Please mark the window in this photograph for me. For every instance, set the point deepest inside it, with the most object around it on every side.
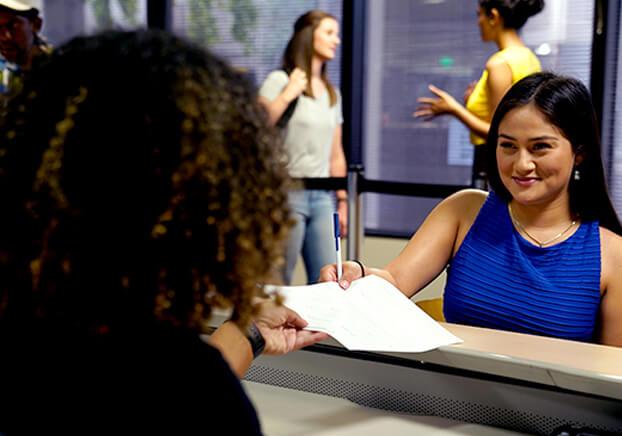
(411, 44)
(64, 19)
(250, 34)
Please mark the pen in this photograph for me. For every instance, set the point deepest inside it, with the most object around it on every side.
(337, 245)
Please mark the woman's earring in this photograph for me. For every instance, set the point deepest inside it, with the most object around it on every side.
(577, 175)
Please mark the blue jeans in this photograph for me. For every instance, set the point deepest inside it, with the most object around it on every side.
(312, 234)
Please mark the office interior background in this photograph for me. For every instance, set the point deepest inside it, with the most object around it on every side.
(391, 51)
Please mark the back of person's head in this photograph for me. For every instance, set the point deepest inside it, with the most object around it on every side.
(567, 104)
(515, 13)
(299, 50)
(139, 184)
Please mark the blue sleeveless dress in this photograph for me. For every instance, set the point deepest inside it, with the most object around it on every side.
(499, 280)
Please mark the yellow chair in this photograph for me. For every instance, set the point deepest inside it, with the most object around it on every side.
(433, 307)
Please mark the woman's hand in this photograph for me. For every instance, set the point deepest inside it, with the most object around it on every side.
(297, 85)
(281, 328)
(351, 272)
(431, 107)
(342, 210)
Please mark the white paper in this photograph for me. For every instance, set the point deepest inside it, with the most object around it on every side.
(371, 315)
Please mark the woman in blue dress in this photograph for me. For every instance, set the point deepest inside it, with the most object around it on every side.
(540, 254)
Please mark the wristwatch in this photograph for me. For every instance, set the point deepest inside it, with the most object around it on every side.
(254, 336)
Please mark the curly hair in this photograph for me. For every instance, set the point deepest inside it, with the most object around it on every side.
(140, 184)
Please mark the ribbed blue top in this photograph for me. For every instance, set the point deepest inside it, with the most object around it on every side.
(499, 280)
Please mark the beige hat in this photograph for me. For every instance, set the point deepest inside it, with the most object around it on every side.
(16, 6)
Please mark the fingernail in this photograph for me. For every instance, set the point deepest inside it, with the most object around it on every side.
(344, 284)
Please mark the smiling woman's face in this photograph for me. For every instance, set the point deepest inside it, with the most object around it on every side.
(534, 159)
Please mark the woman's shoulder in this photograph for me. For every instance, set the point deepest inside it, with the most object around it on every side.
(273, 84)
(466, 204)
(611, 259)
(462, 209)
(468, 198)
(509, 55)
(497, 59)
(611, 244)
(278, 76)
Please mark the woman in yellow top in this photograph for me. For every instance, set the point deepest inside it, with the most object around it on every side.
(499, 21)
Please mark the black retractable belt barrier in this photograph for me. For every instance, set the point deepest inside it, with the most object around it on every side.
(356, 184)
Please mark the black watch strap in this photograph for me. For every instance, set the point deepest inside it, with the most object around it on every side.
(254, 336)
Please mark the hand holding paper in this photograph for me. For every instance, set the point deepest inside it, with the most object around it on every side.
(372, 315)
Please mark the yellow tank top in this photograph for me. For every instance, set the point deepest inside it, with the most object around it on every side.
(522, 61)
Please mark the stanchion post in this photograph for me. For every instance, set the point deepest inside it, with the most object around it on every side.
(355, 226)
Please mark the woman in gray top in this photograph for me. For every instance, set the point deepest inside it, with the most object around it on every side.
(301, 99)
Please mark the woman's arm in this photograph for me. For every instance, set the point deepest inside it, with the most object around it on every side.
(295, 86)
(280, 327)
(428, 251)
(338, 168)
(499, 81)
(234, 347)
(611, 301)
(444, 103)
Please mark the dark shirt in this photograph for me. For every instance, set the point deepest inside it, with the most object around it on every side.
(161, 378)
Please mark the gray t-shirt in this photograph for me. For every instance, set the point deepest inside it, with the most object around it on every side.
(309, 132)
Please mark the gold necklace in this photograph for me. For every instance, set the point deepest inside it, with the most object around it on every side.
(520, 228)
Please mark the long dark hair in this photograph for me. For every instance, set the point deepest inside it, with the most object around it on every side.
(567, 104)
(515, 13)
(299, 51)
(142, 186)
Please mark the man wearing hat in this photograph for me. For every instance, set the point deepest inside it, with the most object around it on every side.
(20, 43)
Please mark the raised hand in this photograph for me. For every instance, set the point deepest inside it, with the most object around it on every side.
(430, 107)
(296, 86)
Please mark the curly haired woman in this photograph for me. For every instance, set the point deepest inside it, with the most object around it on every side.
(140, 190)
